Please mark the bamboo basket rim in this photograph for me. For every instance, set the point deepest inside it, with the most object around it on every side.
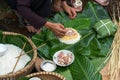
(46, 73)
(28, 66)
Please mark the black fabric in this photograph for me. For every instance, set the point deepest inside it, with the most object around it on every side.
(2, 27)
(12, 3)
(42, 7)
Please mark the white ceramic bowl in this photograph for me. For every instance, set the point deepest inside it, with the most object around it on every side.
(78, 3)
(34, 78)
(48, 66)
(72, 39)
(63, 58)
(3, 49)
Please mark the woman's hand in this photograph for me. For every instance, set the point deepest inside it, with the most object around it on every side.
(57, 28)
(71, 11)
(102, 2)
(32, 29)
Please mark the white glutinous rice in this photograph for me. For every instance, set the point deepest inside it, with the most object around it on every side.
(71, 37)
(47, 66)
(8, 61)
(3, 49)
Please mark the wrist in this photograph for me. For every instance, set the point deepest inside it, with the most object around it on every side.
(64, 4)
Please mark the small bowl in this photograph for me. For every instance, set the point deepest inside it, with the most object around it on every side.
(78, 4)
(103, 0)
(63, 58)
(35, 78)
(48, 66)
(3, 49)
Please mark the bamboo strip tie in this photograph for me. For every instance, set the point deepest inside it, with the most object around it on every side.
(19, 57)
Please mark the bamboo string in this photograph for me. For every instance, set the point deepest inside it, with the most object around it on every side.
(19, 57)
(31, 50)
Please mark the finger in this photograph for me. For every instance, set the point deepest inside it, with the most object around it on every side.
(63, 31)
(38, 31)
(59, 35)
(29, 29)
(61, 26)
(70, 15)
(33, 30)
(74, 14)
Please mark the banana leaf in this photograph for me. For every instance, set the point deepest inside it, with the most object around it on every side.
(18, 40)
(78, 71)
(86, 51)
(52, 45)
(95, 12)
(23, 78)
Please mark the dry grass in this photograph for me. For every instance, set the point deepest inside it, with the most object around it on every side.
(114, 61)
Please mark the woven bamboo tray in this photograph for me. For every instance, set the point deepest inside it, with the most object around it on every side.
(47, 76)
(28, 68)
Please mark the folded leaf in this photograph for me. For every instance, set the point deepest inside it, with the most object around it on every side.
(105, 28)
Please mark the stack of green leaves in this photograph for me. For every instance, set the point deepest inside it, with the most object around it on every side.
(90, 52)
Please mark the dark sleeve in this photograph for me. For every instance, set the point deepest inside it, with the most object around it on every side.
(63, 0)
(23, 7)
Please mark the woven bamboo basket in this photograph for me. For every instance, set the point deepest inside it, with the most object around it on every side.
(110, 72)
(28, 68)
(47, 76)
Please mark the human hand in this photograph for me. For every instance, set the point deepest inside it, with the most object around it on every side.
(32, 29)
(102, 2)
(57, 28)
(71, 11)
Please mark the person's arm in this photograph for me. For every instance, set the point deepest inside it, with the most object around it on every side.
(23, 7)
(68, 9)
